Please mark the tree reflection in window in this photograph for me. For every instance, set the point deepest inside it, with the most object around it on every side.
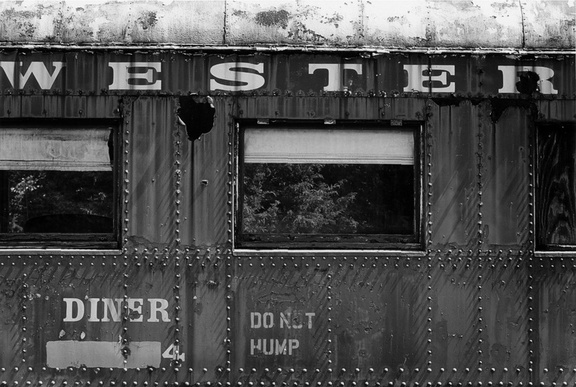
(60, 201)
(328, 199)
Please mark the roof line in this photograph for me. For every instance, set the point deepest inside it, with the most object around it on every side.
(372, 50)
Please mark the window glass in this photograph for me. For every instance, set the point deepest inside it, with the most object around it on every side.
(56, 184)
(556, 186)
(309, 187)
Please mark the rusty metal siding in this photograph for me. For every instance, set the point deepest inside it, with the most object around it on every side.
(506, 178)
(476, 304)
(57, 106)
(380, 317)
(555, 296)
(150, 172)
(453, 202)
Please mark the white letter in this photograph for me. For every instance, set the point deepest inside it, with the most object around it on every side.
(268, 320)
(158, 305)
(45, 80)
(416, 78)
(109, 307)
(420, 78)
(269, 350)
(255, 320)
(292, 345)
(231, 77)
(8, 68)
(70, 312)
(132, 308)
(255, 345)
(509, 79)
(447, 86)
(93, 309)
(511, 75)
(129, 75)
(295, 320)
(310, 315)
(335, 71)
(280, 347)
(285, 320)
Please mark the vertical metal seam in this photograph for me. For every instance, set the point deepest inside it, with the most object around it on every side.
(231, 262)
(124, 165)
(225, 22)
(126, 112)
(523, 24)
(480, 176)
(533, 291)
(176, 260)
(426, 195)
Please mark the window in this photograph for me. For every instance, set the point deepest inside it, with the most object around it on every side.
(556, 186)
(57, 185)
(328, 186)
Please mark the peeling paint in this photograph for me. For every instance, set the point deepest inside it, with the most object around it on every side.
(272, 18)
(529, 24)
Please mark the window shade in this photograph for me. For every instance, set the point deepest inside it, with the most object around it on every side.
(84, 149)
(328, 146)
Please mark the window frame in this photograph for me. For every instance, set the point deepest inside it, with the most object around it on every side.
(99, 241)
(408, 242)
(540, 243)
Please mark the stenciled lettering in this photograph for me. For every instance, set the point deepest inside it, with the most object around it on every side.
(110, 309)
(247, 76)
(135, 75)
(511, 77)
(280, 323)
(39, 70)
(433, 79)
(274, 346)
(237, 76)
(335, 73)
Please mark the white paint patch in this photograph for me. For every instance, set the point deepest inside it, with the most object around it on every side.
(92, 354)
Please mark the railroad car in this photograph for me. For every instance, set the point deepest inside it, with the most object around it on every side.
(293, 194)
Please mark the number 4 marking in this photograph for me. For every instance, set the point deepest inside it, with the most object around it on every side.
(173, 352)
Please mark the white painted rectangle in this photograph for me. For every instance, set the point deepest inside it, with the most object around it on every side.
(84, 149)
(329, 146)
(71, 353)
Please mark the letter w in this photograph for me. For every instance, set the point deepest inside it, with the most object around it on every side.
(38, 69)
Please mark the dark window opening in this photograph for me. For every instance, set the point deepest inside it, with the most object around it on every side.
(556, 186)
(57, 185)
(328, 188)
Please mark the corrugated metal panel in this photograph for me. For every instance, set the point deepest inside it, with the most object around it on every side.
(281, 318)
(379, 311)
(453, 145)
(506, 184)
(211, 185)
(152, 180)
(475, 305)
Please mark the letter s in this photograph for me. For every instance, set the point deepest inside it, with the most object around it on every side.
(234, 77)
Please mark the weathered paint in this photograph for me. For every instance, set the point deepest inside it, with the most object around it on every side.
(476, 304)
(398, 74)
(477, 24)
